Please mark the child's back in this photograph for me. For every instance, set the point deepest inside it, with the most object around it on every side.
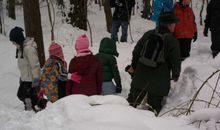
(107, 53)
(54, 74)
(88, 67)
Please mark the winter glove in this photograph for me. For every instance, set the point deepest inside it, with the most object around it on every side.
(118, 88)
(205, 31)
(41, 93)
(75, 77)
(195, 36)
(130, 70)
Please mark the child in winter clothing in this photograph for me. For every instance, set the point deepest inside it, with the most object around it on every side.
(107, 53)
(85, 70)
(212, 23)
(29, 66)
(54, 74)
(185, 29)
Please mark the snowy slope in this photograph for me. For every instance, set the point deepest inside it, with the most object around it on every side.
(77, 112)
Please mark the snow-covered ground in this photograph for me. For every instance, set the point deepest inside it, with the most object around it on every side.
(79, 112)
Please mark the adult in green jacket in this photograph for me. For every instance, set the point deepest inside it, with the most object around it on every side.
(107, 54)
(155, 82)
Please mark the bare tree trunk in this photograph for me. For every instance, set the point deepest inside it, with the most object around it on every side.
(108, 15)
(1, 10)
(2, 24)
(200, 14)
(11, 9)
(33, 28)
(50, 19)
(60, 3)
(78, 14)
(146, 9)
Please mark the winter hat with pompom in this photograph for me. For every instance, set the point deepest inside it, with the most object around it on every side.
(55, 50)
(82, 44)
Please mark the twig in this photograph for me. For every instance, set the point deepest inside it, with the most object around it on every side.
(129, 19)
(213, 92)
(195, 96)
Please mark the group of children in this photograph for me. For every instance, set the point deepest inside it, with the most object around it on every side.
(91, 74)
(87, 74)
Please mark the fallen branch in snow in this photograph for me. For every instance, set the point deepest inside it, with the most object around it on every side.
(213, 92)
(197, 93)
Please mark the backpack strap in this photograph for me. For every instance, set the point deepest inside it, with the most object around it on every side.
(152, 55)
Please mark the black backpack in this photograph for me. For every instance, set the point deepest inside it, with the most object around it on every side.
(152, 53)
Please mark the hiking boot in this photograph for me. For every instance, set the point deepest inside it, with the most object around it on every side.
(28, 104)
(214, 53)
(37, 109)
(42, 103)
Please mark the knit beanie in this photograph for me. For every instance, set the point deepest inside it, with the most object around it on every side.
(82, 44)
(55, 50)
(16, 35)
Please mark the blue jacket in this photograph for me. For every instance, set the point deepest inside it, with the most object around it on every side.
(159, 6)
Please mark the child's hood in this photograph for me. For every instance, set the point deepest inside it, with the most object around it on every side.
(108, 46)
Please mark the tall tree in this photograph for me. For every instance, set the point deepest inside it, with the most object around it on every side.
(60, 3)
(1, 10)
(33, 28)
(108, 15)
(78, 13)
(147, 9)
(11, 9)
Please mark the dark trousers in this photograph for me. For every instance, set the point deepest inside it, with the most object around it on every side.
(115, 28)
(136, 96)
(61, 89)
(185, 47)
(215, 37)
(26, 90)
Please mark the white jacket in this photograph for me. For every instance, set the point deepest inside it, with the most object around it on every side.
(29, 66)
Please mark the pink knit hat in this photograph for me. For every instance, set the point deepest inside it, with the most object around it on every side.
(82, 44)
(57, 51)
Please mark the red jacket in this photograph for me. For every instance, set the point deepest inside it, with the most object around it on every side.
(186, 27)
(89, 68)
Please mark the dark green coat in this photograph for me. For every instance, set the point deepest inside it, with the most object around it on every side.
(107, 53)
(157, 80)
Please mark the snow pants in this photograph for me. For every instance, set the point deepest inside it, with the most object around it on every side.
(136, 96)
(185, 47)
(215, 37)
(26, 90)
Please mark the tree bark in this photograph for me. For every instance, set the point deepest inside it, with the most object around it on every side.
(1, 10)
(33, 28)
(60, 3)
(11, 9)
(78, 14)
(50, 19)
(200, 14)
(108, 15)
(146, 9)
